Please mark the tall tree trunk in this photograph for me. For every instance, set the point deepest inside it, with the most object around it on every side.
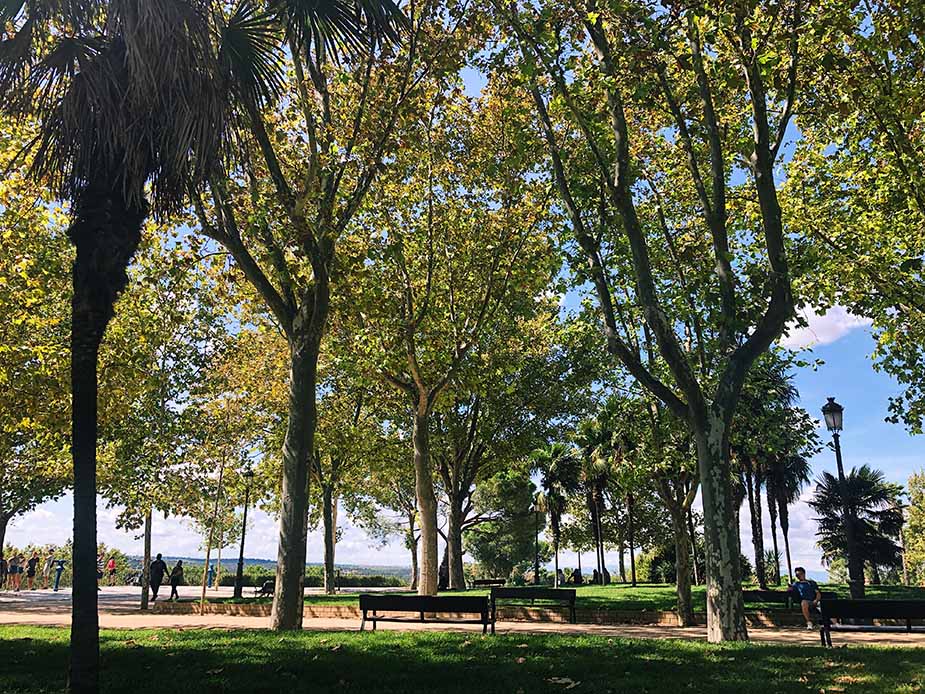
(427, 500)
(599, 504)
(682, 567)
(592, 508)
(784, 514)
(330, 535)
(106, 231)
(725, 609)
(754, 513)
(555, 553)
(692, 530)
(454, 544)
(621, 559)
(4, 521)
(300, 434)
(211, 539)
(632, 538)
(146, 562)
(772, 512)
(411, 542)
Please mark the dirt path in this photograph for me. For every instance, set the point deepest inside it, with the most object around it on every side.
(118, 611)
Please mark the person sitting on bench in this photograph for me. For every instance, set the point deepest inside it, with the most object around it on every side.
(808, 593)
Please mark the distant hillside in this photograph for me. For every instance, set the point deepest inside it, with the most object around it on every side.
(402, 572)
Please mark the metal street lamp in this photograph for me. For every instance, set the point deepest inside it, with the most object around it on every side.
(834, 420)
(536, 546)
(239, 578)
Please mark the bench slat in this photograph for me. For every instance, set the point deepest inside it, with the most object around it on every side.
(424, 603)
(566, 595)
(873, 609)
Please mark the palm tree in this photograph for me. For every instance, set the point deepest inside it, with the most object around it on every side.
(875, 510)
(787, 475)
(132, 94)
(594, 477)
(108, 85)
(560, 469)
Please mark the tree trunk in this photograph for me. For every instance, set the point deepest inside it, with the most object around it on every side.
(555, 553)
(427, 500)
(621, 560)
(297, 449)
(784, 514)
(106, 231)
(599, 504)
(754, 513)
(772, 512)
(692, 530)
(211, 539)
(725, 609)
(632, 538)
(592, 507)
(454, 545)
(146, 563)
(874, 575)
(4, 521)
(330, 536)
(682, 568)
(411, 542)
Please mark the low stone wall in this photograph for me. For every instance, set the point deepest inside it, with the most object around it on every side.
(506, 613)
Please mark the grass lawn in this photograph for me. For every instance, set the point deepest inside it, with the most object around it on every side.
(34, 659)
(618, 596)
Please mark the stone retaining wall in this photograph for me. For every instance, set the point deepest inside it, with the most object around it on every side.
(506, 613)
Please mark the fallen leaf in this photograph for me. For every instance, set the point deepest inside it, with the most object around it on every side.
(336, 648)
(216, 671)
(523, 645)
(521, 660)
(567, 681)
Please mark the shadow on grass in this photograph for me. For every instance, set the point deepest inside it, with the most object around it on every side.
(34, 659)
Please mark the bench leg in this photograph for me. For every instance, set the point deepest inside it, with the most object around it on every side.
(363, 622)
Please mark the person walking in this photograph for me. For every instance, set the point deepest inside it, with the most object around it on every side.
(211, 574)
(14, 572)
(32, 566)
(111, 570)
(176, 578)
(156, 574)
(59, 569)
(46, 569)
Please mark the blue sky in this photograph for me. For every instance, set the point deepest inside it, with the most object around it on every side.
(840, 340)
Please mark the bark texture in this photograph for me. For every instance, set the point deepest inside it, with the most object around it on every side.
(725, 609)
(106, 232)
(329, 520)
(297, 449)
(427, 502)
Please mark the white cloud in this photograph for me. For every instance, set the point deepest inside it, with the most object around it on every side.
(822, 329)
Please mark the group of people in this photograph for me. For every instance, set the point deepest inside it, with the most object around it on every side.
(157, 572)
(13, 570)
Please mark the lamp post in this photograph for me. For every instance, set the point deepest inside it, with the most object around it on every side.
(834, 419)
(239, 578)
(536, 545)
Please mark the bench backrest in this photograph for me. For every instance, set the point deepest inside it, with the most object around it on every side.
(268, 585)
(873, 609)
(489, 582)
(424, 603)
(781, 596)
(566, 595)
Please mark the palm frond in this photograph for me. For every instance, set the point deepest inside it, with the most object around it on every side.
(249, 54)
(336, 27)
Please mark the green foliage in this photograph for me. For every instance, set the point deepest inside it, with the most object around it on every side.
(914, 530)
(505, 547)
(876, 509)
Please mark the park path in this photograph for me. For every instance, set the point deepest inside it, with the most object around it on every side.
(118, 610)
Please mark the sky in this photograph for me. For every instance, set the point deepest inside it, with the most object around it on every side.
(840, 341)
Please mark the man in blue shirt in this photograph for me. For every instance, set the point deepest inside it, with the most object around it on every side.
(808, 593)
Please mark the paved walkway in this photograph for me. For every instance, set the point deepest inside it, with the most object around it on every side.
(118, 610)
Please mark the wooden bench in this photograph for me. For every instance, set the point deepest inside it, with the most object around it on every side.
(565, 596)
(490, 582)
(780, 597)
(898, 610)
(425, 604)
(266, 590)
